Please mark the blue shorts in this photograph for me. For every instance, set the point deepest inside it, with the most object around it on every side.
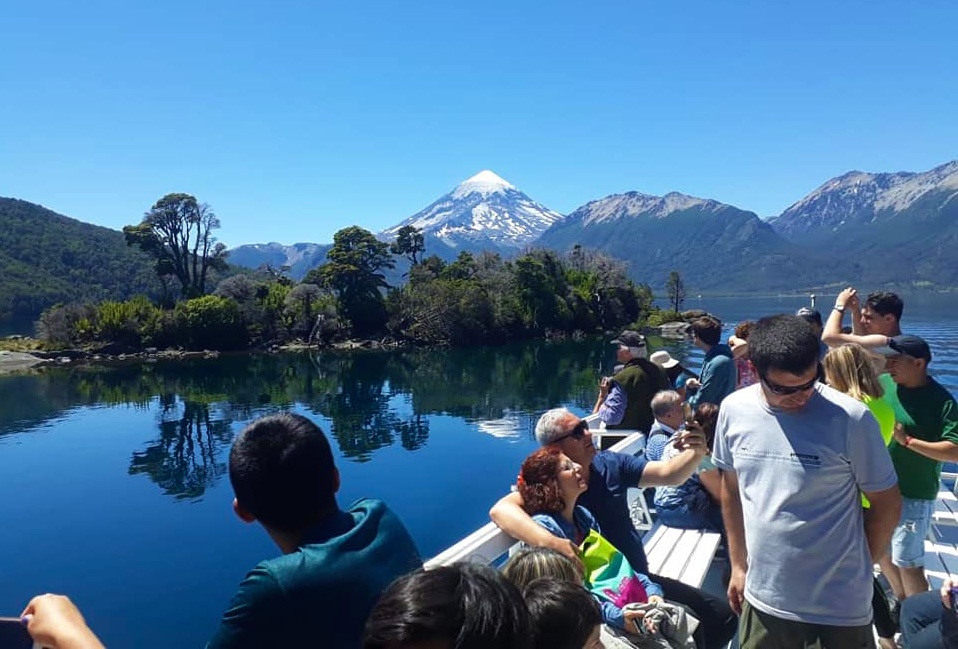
(908, 541)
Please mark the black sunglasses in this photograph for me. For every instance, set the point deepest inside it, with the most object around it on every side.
(577, 433)
(785, 390)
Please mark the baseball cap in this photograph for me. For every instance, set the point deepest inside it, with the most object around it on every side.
(908, 345)
(663, 359)
(629, 338)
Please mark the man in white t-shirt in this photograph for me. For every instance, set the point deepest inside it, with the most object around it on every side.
(795, 456)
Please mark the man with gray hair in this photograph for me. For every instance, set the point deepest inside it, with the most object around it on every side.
(667, 409)
(624, 398)
(610, 475)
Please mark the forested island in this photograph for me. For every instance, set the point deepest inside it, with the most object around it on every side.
(203, 304)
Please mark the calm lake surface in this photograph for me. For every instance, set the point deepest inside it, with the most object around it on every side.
(114, 480)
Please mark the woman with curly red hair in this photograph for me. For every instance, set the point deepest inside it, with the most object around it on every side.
(550, 483)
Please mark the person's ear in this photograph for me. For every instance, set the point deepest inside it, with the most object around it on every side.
(336, 482)
(241, 513)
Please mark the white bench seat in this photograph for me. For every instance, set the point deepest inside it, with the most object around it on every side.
(941, 560)
(683, 555)
(946, 508)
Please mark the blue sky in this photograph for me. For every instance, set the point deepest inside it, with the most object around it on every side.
(294, 119)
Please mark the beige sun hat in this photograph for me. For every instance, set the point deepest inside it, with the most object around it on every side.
(663, 359)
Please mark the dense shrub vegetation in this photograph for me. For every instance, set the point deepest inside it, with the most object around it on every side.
(473, 300)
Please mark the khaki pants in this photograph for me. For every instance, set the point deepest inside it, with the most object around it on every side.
(758, 630)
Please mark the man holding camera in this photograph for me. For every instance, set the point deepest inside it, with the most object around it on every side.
(625, 399)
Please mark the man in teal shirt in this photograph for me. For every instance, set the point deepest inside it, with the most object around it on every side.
(335, 564)
(718, 376)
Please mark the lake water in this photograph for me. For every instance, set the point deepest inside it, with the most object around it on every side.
(114, 480)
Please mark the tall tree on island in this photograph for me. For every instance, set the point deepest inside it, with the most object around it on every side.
(178, 233)
(409, 243)
(675, 289)
(353, 269)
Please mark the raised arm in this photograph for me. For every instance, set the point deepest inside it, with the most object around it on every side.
(832, 331)
(739, 346)
(680, 468)
(611, 402)
(512, 519)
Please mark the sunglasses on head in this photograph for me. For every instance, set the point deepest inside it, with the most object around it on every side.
(577, 433)
(784, 390)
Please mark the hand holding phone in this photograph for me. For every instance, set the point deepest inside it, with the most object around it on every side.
(14, 634)
(688, 414)
(953, 599)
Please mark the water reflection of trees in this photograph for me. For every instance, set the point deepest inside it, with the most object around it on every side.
(370, 399)
(187, 456)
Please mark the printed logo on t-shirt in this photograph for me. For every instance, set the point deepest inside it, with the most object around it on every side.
(807, 460)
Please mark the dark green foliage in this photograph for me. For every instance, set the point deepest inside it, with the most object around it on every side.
(476, 300)
(354, 271)
(211, 322)
(46, 258)
(409, 243)
(658, 318)
(177, 233)
(675, 290)
(131, 324)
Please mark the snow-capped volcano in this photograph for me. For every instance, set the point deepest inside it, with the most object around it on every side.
(485, 211)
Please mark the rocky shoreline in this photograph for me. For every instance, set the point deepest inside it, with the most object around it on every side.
(24, 361)
(680, 328)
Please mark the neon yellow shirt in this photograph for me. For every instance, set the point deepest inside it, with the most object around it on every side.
(885, 415)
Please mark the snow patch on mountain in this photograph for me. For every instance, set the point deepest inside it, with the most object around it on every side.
(485, 182)
(860, 197)
(483, 211)
(633, 204)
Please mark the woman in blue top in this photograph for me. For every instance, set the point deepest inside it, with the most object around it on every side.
(550, 483)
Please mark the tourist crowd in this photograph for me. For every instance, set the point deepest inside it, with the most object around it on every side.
(814, 451)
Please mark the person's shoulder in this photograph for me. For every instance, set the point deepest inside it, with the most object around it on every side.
(723, 353)
(743, 398)
(612, 460)
(584, 516)
(855, 409)
(940, 391)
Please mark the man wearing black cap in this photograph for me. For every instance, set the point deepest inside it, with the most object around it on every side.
(625, 399)
(926, 434)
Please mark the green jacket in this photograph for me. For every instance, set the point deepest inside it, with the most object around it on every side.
(640, 379)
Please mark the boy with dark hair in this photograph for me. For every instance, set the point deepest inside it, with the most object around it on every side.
(882, 304)
(872, 323)
(719, 375)
(335, 563)
(795, 456)
(564, 615)
(461, 606)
